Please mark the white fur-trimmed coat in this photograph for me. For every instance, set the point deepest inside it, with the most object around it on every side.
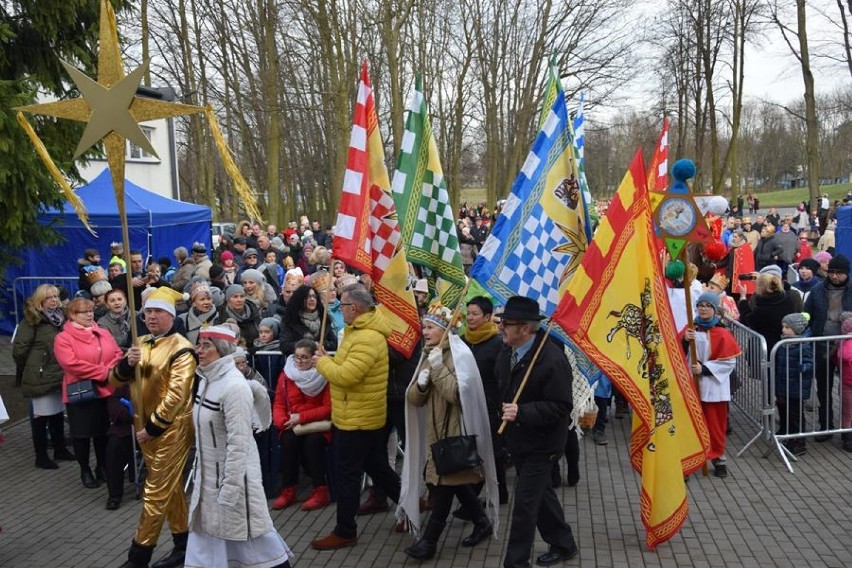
(228, 500)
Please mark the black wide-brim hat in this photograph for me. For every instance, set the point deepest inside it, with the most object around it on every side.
(521, 308)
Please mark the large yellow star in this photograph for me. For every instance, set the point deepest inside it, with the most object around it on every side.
(109, 106)
(576, 247)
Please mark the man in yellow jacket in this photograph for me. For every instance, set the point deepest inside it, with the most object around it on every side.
(358, 377)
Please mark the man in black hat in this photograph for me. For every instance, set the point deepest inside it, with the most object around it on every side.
(240, 245)
(826, 302)
(536, 432)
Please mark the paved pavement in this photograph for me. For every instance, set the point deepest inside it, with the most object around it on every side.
(761, 515)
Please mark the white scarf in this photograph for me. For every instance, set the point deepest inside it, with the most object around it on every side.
(309, 382)
(475, 416)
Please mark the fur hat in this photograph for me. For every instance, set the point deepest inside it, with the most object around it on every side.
(199, 248)
(798, 322)
(100, 288)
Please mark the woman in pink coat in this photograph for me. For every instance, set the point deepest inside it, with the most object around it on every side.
(86, 352)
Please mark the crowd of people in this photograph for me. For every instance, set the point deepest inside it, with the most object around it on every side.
(267, 332)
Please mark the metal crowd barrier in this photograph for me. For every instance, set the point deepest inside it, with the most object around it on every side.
(751, 394)
(24, 286)
(803, 366)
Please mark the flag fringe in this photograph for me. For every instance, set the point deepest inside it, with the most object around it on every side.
(42, 152)
(240, 184)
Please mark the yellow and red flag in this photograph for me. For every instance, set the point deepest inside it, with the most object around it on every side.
(616, 310)
(367, 235)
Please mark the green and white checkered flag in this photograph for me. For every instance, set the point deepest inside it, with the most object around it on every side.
(423, 206)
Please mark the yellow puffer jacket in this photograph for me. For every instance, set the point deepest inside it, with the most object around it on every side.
(358, 374)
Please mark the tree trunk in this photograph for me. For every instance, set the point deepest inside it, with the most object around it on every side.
(811, 124)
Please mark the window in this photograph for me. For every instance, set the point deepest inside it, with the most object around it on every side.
(135, 152)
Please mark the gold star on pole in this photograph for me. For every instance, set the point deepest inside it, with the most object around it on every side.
(112, 113)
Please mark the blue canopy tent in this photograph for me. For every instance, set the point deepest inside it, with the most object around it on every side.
(157, 225)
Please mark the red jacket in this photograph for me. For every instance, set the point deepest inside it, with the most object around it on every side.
(289, 398)
(86, 354)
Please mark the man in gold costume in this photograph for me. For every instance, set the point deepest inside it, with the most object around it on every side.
(162, 400)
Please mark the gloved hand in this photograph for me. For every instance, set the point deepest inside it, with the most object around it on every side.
(423, 379)
(436, 357)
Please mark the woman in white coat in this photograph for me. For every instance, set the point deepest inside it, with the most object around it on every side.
(229, 522)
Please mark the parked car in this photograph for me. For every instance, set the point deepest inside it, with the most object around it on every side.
(218, 229)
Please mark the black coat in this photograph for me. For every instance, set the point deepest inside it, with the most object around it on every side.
(292, 332)
(401, 370)
(545, 404)
(485, 354)
(763, 314)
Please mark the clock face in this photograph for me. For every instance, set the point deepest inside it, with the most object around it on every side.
(676, 216)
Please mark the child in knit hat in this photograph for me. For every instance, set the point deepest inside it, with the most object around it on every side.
(716, 352)
(268, 335)
(844, 355)
(794, 375)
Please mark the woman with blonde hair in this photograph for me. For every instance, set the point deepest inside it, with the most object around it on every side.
(39, 372)
(764, 311)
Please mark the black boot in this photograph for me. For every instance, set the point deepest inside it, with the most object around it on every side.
(87, 478)
(56, 423)
(482, 529)
(424, 549)
(43, 461)
(177, 555)
(139, 556)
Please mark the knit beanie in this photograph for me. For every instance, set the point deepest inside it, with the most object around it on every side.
(216, 271)
(234, 289)
(226, 255)
(772, 269)
(822, 256)
(252, 274)
(798, 322)
(839, 263)
(810, 264)
(711, 298)
(271, 323)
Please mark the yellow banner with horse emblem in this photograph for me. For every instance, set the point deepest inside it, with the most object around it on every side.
(615, 310)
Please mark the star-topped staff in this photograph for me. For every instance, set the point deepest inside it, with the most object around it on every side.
(112, 113)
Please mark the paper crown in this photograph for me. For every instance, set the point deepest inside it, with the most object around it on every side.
(95, 274)
(720, 281)
(439, 315)
(164, 299)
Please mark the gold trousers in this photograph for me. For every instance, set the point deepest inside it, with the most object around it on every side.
(164, 498)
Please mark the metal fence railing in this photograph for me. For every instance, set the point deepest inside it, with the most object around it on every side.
(750, 394)
(24, 286)
(804, 366)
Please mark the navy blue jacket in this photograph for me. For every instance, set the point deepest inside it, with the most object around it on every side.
(817, 305)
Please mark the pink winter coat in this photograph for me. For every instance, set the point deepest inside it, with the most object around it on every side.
(844, 358)
(86, 354)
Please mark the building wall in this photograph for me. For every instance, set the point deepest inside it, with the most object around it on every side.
(154, 173)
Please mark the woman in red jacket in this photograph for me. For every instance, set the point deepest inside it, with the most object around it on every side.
(86, 352)
(302, 413)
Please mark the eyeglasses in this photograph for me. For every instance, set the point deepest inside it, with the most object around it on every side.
(705, 305)
(835, 271)
(342, 304)
(84, 311)
(302, 357)
(502, 323)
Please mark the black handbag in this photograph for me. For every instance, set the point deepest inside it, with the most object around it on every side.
(81, 391)
(453, 454)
